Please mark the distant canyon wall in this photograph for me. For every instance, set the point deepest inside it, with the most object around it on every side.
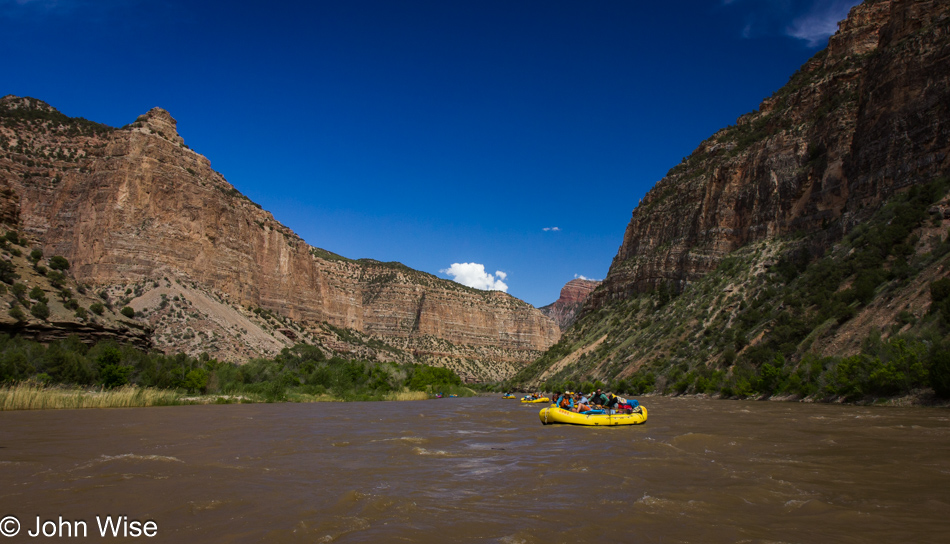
(565, 309)
(136, 203)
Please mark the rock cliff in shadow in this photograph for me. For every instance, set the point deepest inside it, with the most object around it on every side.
(802, 252)
(864, 118)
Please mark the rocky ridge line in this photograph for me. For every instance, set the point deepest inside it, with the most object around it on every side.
(135, 206)
(864, 118)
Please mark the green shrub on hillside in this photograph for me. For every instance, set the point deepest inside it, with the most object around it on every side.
(940, 299)
(17, 314)
(58, 262)
(19, 291)
(56, 278)
(40, 311)
(8, 273)
(38, 294)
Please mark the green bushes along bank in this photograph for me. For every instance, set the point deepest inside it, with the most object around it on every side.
(302, 372)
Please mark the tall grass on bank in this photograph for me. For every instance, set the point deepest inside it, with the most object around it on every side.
(33, 396)
(407, 395)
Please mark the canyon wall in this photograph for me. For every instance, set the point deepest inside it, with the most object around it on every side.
(137, 205)
(864, 118)
(565, 309)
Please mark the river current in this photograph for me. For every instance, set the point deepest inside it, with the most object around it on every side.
(481, 470)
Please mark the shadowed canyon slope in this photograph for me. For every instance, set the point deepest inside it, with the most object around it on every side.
(814, 229)
(147, 220)
(864, 118)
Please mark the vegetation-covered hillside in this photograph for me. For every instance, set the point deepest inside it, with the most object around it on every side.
(868, 318)
(801, 253)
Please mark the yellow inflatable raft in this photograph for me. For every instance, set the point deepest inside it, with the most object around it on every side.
(552, 414)
(509, 397)
(528, 400)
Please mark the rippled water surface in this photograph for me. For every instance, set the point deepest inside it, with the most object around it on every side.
(485, 469)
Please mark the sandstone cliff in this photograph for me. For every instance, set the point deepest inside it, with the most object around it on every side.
(862, 119)
(564, 310)
(136, 210)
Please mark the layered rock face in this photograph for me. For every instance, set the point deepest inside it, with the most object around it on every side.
(864, 118)
(564, 310)
(135, 204)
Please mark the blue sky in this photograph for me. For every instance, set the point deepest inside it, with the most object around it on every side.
(516, 136)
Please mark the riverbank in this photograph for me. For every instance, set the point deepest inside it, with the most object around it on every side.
(921, 398)
(917, 398)
(33, 396)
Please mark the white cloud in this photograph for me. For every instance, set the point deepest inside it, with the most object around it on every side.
(552, 229)
(474, 275)
(747, 31)
(581, 277)
(810, 20)
(820, 22)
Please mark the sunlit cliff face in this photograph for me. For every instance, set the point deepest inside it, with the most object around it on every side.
(136, 205)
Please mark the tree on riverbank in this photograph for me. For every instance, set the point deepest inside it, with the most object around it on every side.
(300, 370)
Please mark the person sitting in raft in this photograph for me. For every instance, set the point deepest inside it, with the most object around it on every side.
(611, 404)
(598, 398)
(565, 402)
(578, 405)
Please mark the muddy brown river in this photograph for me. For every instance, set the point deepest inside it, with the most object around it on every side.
(476, 470)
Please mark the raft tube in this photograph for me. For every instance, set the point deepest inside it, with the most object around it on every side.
(542, 400)
(553, 414)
